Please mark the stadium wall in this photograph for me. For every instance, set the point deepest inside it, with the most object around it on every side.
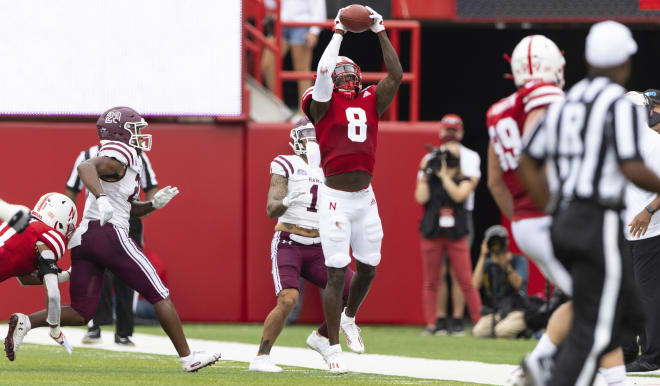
(215, 240)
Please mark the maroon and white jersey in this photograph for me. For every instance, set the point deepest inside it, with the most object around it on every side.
(18, 256)
(301, 177)
(505, 120)
(120, 193)
(347, 134)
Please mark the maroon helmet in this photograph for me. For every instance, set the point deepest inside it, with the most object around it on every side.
(124, 124)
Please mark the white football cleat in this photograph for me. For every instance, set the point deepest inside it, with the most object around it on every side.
(264, 364)
(19, 325)
(318, 343)
(198, 360)
(352, 333)
(516, 378)
(537, 371)
(335, 360)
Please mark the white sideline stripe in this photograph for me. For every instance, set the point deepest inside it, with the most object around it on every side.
(464, 371)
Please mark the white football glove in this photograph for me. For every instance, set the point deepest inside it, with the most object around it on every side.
(163, 196)
(293, 198)
(338, 24)
(105, 208)
(58, 336)
(377, 19)
(20, 219)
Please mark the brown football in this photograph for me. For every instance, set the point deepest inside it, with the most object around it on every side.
(356, 18)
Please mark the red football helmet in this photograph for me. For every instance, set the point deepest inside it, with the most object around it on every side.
(124, 124)
(347, 77)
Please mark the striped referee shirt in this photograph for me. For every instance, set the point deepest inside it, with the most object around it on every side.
(584, 138)
(147, 179)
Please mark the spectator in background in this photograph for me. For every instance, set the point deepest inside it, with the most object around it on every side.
(451, 131)
(124, 293)
(443, 189)
(504, 276)
(300, 40)
(643, 239)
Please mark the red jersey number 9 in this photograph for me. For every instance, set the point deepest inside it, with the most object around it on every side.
(357, 124)
(506, 142)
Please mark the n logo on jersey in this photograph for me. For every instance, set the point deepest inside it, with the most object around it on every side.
(333, 206)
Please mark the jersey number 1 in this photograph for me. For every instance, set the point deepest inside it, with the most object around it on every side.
(314, 190)
(357, 124)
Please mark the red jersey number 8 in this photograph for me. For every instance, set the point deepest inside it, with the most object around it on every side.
(357, 124)
(506, 142)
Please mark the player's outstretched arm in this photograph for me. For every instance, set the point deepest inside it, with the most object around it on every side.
(323, 85)
(160, 199)
(496, 185)
(388, 86)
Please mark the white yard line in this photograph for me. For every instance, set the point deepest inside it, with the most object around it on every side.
(464, 371)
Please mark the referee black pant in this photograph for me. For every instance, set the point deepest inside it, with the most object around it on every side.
(646, 264)
(123, 294)
(588, 239)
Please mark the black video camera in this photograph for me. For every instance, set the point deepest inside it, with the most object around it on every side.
(437, 155)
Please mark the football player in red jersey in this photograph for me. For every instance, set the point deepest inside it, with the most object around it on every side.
(346, 119)
(17, 216)
(538, 73)
(32, 256)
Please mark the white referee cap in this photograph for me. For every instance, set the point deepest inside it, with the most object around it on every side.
(609, 44)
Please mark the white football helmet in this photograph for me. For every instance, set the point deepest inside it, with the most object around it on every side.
(57, 211)
(303, 132)
(537, 58)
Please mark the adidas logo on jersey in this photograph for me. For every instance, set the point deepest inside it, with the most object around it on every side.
(366, 93)
(373, 202)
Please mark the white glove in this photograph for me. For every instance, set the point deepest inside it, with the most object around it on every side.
(338, 24)
(163, 196)
(105, 208)
(377, 25)
(293, 198)
(20, 219)
(58, 336)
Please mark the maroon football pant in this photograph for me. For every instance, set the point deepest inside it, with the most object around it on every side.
(110, 247)
(292, 260)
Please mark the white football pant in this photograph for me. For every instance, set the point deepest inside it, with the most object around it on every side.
(533, 237)
(349, 219)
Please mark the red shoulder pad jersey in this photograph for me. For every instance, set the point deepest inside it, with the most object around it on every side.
(505, 120)
(18, 256)
(347, 134)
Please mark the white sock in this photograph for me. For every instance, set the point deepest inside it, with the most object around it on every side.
(614, 376)
(186, 359)
(545, 348)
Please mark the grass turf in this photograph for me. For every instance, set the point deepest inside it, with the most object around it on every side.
(42, 365)
(390, 340)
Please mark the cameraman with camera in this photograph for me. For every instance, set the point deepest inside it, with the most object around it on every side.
(443, 189)
(505, 277)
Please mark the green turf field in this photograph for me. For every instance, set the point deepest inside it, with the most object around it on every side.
(391, 340)
(49, 365)
(41, 365)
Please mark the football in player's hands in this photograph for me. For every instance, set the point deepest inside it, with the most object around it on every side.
(356, 18)
(376, 21)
